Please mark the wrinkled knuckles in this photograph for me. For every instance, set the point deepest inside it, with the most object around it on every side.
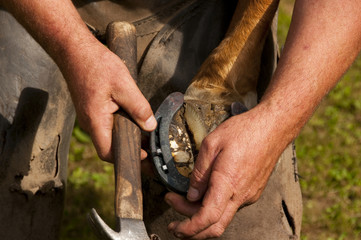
(216, 231)
(224, 177)
(214, 217)
(208, 145)
(198, 179)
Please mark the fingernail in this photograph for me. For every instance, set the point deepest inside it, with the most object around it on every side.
(178, 235)
(168, 201)
(151, 123)
(171, 226)
(193, 194)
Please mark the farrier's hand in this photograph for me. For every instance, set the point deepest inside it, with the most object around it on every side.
(100, 84)
(231, 171)
(98, 81)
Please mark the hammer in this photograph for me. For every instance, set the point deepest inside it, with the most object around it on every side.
(126, 138)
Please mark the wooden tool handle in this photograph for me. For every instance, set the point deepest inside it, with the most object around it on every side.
(126, 139)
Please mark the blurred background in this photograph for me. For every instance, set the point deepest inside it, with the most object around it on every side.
(329, 163)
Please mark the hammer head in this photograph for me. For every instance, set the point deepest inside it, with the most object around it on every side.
(128, 229)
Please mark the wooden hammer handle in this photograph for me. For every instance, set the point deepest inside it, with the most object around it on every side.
(126, 139)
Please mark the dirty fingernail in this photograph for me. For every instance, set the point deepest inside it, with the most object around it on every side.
(151, 123)
(178, 235)
(193, 194)
(171, 226)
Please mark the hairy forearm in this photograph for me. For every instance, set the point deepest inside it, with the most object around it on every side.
(56, 25)
(323, 41)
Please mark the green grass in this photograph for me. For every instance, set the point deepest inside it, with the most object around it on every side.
(90, 185)
(329, 152)
(329, 157)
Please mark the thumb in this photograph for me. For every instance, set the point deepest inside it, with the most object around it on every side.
(136, 105)
(142, 114)
(202, 170)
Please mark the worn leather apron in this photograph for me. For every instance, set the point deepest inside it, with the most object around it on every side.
(36, 115)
